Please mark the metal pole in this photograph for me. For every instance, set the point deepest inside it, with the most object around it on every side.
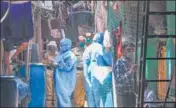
(144, 54)
(136, 59)
(114, 60)
(113, 77)
(27, 63)
(136, 49)
(38, 32)
(141, 55)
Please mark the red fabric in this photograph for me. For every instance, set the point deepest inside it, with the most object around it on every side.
(116, 7)
(118, 35)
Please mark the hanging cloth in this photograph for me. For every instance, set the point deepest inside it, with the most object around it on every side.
(118, 35)
(18, 25)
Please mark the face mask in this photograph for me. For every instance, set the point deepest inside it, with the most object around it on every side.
(81, 44)
(131, 56)
(88, 40)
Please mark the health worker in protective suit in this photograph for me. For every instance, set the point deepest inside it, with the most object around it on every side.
(65, 74)
(85, 41)
(48, 59)
(82, 40)
(91, 59)
(88, 39)
(105, 72)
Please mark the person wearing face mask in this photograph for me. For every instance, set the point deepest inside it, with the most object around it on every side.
(82, 40)
(88, 39)
(65, 73)
(123, 72)
(79, 93)
(48, 58)
(91, 59)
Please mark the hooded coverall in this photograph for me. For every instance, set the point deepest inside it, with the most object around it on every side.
(91, 59)
(65, 74)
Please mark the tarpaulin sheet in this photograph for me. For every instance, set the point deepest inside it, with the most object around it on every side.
(22, 89)
(36, 84)
(18, 25)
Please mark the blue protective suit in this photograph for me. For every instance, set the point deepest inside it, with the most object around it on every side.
(65, 74)
(87, 78)
(106, 93)
(91, 58)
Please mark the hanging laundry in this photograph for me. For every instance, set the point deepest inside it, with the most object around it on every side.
(54, 24)
(45, 29)
(116, 7)
(18, 26)
(70, 16)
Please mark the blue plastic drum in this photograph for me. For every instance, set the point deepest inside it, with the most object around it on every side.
(36, 84)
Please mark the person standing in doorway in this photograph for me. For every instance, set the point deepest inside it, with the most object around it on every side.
(123, 72)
